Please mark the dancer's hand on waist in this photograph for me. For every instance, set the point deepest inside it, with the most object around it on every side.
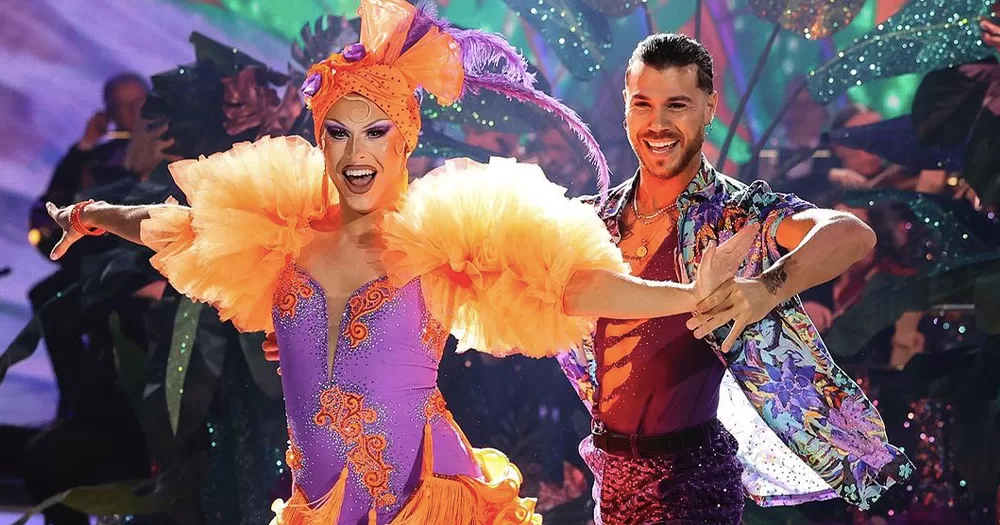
(270, 347)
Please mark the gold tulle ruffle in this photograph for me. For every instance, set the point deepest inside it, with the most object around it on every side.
(495, 246)
(250, 211)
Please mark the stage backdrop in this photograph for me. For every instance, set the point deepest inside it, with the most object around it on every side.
(56, 54)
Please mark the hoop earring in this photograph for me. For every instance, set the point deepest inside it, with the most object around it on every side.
(624, 125)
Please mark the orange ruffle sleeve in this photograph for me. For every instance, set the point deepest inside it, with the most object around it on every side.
(495, 246)
(249, 211)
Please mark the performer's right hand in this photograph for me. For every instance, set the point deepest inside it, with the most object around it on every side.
(69, 235)
(270, 347)
(720, 264)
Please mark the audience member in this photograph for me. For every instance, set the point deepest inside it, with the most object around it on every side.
(123, 98)
(801, 161)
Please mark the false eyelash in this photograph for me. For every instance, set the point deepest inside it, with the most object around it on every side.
(331, 128)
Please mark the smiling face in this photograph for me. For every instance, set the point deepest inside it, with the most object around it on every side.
(365, 155)
(666, 114)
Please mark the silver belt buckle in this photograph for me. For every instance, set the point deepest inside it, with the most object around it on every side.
(597, 426)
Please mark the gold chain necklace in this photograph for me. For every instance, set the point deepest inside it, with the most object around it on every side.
(643, 249)
(653, 216)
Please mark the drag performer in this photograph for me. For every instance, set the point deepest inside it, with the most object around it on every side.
(362, 287)
(668, 394)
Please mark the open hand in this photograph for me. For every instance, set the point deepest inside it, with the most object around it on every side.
(741, 301)
(717, 289)
(69, 235)
(720, 264)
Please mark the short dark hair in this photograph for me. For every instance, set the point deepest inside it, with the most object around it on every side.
(850, 111)
(664, 50)
(119, 80)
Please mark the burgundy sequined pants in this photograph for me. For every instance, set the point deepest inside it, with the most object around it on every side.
(696, 487)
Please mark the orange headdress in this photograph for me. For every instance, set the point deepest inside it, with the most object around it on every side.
(379, 69)
(405, 48)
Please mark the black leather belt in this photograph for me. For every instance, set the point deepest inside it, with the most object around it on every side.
(636, 446)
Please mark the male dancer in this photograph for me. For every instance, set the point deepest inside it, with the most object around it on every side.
(805, 430)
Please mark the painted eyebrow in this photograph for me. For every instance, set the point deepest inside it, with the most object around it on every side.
(379, 123)
(339, 124)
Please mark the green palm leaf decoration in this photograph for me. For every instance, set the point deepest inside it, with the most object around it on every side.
(925, 35)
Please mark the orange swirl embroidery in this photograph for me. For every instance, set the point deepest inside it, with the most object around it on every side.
(292, 286)
(367, 459)
(293, 456)
(374, 298)
(345, 413)
(434, 336)
(435, 407)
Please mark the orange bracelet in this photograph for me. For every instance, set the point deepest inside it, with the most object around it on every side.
(77, 224)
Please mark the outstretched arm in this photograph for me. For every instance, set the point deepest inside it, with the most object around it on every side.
(822, 244)
(123, 221)
(602, 293)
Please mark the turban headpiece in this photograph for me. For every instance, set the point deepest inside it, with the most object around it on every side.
(404, 49)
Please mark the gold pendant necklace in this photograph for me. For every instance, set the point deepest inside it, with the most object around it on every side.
(643, 250)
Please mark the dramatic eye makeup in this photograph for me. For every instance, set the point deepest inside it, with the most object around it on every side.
(378, 129)
(338, 131)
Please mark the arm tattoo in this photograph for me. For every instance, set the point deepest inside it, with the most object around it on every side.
(774, 278)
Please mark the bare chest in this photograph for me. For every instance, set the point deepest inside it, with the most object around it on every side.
(641, 240)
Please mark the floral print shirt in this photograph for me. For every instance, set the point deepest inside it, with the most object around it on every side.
(806, 430)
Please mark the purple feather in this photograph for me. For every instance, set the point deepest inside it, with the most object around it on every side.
(482, 51)
(482, 54)
(512, 89)
(425, 17)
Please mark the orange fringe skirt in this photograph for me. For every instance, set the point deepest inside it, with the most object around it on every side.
(437, 499)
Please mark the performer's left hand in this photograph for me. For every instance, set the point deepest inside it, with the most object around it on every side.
(741, 301)
(270, 347)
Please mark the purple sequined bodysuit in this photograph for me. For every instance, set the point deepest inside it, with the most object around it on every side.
(369, 414)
